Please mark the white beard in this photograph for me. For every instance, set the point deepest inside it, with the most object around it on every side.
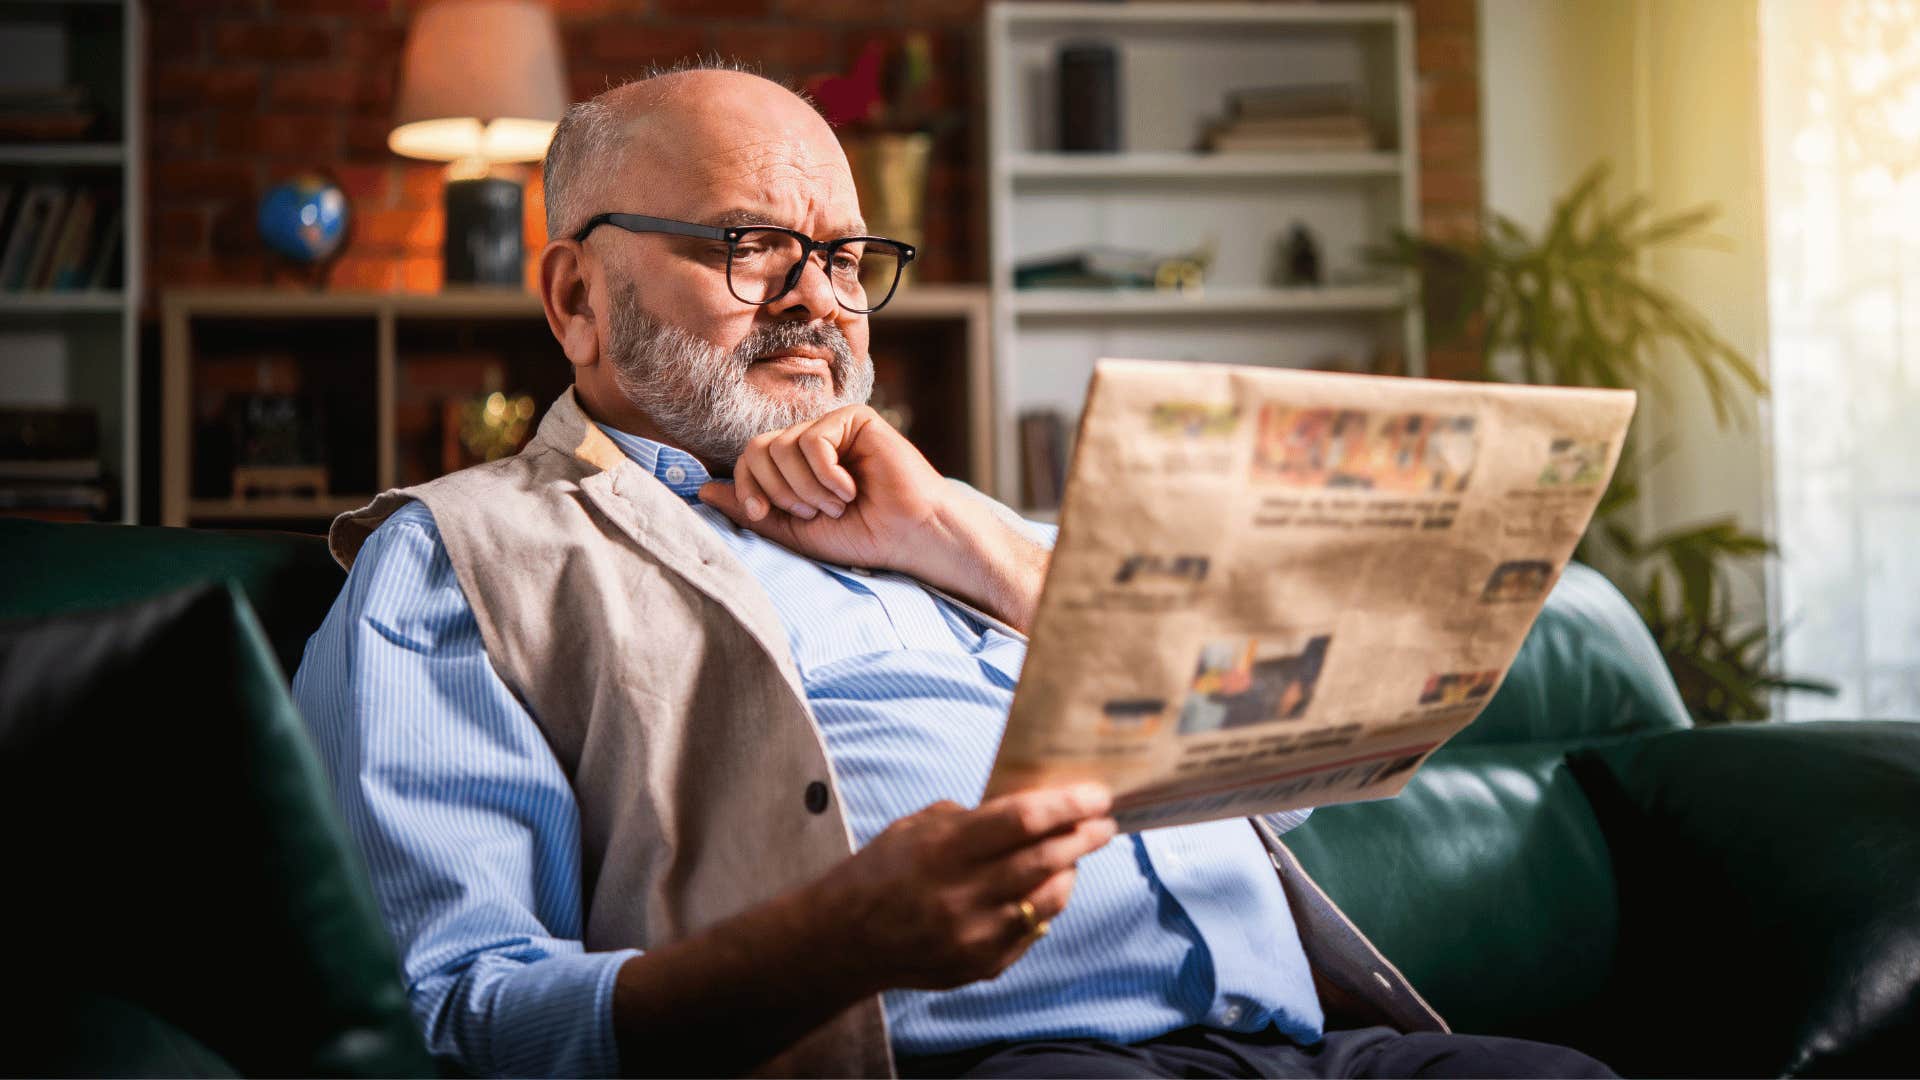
(697, 394)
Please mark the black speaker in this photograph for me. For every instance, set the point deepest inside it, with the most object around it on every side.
(1089, 97)
(483, 232)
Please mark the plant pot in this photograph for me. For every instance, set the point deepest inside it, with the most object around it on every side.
(890, 174)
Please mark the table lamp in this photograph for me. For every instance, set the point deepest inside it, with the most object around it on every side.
(481, 84)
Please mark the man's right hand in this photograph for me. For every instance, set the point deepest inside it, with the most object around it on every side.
(933, 902)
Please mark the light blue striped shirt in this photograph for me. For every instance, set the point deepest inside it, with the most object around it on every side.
(471, 833)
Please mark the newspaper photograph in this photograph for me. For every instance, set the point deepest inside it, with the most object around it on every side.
(1277, 589)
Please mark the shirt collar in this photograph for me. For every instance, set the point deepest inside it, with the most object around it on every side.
(680, 471)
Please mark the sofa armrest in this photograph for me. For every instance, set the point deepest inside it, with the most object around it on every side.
(1769, 880)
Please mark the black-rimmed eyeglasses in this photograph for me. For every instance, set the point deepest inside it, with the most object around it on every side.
(764, 262)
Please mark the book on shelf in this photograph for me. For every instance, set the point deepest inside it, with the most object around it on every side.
(1043, 458)
(50, 464)
(46, 113)
(39, 205)
(1310, 118)
(60, 239)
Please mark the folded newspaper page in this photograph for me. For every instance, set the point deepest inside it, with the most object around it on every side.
(1276, 589)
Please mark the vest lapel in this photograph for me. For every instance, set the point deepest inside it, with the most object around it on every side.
(660, 523)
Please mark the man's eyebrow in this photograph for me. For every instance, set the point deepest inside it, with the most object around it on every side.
(743, 216)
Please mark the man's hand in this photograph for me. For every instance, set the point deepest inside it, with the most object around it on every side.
(934, 901)
(847, 488)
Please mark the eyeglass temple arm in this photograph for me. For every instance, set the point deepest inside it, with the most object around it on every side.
(643, 223)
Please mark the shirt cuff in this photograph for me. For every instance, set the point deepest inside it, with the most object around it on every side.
(552, 1017)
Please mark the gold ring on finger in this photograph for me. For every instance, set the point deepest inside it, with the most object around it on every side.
(1037, 927)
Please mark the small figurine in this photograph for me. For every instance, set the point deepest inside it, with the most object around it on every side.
(1303, 257)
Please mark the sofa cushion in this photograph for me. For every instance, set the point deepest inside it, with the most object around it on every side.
(172, 845)
(288, 578)
(1588, 669)
(1770, 897)
(1486, 882)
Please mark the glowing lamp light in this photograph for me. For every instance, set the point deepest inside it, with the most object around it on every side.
(481, 83)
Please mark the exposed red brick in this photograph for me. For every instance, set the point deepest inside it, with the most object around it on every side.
(176, 137)
(354, 271)
(1448, 51)
(360, 8)
(785, 50)
(1449, 14)
(841, 10)
(917, 11)
(275, 39)
(312, 138)
(1447, 186)
(366, 136)
(421, 273)
(1450, 95)
(176, 229)
(422, 186)
(413, 231)
(196, 87)
(367, 186)
(714, 9)
(206, 179)
(331, 86)
(235, 228)
(635, 45)
(1450, 140)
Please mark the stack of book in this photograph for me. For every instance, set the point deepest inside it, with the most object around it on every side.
(52, 112)
(50, 464)
(1292, 119)
(59, 238)
(1043, 459)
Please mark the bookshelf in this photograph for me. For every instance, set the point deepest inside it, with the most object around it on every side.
(1159, 191)
(70, 125)
(384, 370)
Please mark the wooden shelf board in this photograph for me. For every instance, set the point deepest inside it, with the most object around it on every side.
(267, 509)
(47, 302)
(60, 153)
(1194, 165)
(1106, 304)
(1147, 14)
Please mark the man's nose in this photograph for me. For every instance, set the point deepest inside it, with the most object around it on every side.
(812, 295)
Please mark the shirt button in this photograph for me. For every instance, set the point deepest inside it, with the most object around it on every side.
(675, 474)
(1232, 1015)
(817, 797)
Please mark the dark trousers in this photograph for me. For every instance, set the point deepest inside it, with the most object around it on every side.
(1205, 1052)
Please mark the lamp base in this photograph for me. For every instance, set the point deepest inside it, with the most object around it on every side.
(483, 233)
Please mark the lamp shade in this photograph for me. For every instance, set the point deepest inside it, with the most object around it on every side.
(479, 79)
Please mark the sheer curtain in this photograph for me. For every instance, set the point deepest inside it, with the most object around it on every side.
(1841, 112)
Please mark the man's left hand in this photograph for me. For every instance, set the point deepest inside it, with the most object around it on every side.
(848, 488)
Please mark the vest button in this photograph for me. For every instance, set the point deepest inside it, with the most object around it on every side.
(817, 797)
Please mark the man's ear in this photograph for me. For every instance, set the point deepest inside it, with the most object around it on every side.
(565, 293)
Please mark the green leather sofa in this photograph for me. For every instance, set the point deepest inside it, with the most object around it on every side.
(1580, 865)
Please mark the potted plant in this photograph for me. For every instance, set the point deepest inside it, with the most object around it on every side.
(1572, 307)
(883, 109)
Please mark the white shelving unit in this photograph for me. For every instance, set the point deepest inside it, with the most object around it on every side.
(80, 347)
(1178, 62)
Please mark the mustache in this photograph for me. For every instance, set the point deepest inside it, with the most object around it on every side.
(766, 340)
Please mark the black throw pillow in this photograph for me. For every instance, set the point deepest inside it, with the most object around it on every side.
(1769, 883)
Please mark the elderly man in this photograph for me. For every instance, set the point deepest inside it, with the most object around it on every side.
(661, 773)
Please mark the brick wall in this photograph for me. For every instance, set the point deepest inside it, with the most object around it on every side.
(242, 93)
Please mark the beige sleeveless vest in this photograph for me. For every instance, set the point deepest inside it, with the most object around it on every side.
(659, 673)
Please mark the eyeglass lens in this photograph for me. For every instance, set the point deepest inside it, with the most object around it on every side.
(863, 274)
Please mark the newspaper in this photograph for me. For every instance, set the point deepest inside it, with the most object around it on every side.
(1277, 589)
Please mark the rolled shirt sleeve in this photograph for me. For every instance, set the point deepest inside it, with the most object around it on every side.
(468, 826)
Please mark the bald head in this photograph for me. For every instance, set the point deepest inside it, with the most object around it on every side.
(661, 139)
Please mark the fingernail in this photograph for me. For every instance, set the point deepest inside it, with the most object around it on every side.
(834, 509)
(1092, 797)
(755, 508)
(803, 511)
